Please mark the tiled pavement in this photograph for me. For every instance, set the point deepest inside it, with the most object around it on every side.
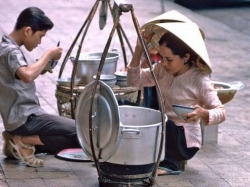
(224, 164)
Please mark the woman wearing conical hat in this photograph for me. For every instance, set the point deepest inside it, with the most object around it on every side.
(183, 74)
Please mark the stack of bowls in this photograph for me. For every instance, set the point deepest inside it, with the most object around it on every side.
(67, 82)
(110, 80)
(121, 77)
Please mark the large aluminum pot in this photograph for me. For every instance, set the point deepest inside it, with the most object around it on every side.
(139, 136)
(88, 64)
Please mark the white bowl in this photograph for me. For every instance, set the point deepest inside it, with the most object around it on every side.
(121, 75)
(67, 81)
(106, 77)
(110, 83)
(122, 83)
(180, 110)
(110, 80)
(221, 86)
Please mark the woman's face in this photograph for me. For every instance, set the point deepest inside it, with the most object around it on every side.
(173, 64)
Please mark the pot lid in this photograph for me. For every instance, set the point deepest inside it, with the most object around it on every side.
(105, 121)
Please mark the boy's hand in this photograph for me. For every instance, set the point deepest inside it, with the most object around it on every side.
(55, 53)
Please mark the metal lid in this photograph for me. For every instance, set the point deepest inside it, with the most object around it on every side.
(105, 121)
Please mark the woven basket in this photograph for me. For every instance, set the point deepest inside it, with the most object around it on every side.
(226, 95)
(225, 91)
(64, 99)
(127, 93)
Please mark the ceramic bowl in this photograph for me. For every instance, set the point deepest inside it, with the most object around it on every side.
(67, 81)
(110, 80)
(180, 110)
(225, 91)
(122, 83)
(121, 75)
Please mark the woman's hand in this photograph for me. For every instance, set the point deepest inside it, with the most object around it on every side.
(138, 50)
(197, 114)
(146, 38)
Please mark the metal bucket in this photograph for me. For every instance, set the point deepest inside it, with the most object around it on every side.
(126, 139)
(88, 64)
(135, 158)
(140, 136)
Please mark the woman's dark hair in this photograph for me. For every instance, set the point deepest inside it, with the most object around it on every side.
(35, 18)
(177, 46)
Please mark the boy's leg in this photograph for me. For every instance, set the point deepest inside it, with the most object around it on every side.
(55, 132)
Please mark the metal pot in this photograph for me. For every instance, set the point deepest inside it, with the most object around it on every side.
(122, 135)
(88, 64)
(139, 136)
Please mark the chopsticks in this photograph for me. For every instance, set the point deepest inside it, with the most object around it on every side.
(52, 63)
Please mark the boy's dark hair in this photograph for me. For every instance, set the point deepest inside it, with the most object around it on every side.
(35, 18)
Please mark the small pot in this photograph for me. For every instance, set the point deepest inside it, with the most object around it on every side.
(88, 64)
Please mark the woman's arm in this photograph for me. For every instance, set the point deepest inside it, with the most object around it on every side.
(135, 62)
(212, 111)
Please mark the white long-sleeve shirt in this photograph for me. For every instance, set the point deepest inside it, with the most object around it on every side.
(188, 89)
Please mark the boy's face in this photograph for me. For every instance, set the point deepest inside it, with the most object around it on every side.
(32, 39)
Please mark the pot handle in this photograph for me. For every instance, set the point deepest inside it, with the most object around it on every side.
(131, 133)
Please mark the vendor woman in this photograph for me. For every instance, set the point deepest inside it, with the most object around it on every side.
(183, 74)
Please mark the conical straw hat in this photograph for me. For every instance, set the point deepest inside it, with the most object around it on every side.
(187, 32)
(170, 16)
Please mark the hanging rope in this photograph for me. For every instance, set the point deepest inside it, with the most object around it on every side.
(116, 10)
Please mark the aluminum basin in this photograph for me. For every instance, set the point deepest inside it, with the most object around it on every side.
(88, 64)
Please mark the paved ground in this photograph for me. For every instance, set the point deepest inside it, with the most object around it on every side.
(224, 164)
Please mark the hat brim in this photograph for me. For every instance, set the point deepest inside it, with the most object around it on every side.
(172, 16)
(187, 32)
